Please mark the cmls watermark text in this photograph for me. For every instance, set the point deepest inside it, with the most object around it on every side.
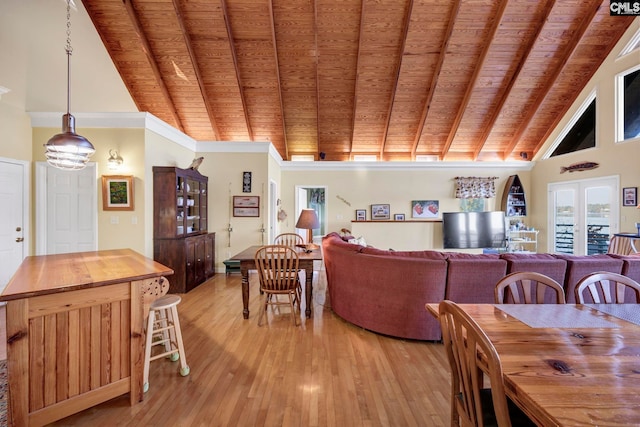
(624, 8)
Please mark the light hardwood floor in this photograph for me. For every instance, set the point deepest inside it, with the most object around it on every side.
(326, 372)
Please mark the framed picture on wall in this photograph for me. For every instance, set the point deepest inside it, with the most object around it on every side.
(380, 212)
(361, 214)
(117, 192)
(425, 208)
(398, 217)
(630, 196)
(248, 206)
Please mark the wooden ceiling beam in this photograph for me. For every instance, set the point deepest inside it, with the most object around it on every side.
(355, 85)
(474, 78)
(243, 98)
(278, 80)
(455, 9)
(146, 47)
(196, 67)
(405, 31)
(505, 95)
(569, 50)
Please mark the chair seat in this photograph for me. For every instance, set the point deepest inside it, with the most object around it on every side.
(165, 301)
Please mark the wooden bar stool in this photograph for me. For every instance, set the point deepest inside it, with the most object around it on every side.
(163, 328)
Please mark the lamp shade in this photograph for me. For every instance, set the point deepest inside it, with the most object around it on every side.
(308, 220)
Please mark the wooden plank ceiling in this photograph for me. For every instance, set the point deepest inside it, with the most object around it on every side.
(460, 80)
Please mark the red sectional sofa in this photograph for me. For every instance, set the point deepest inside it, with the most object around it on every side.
(385, 291)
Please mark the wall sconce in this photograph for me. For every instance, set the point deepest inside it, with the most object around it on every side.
(115, 161)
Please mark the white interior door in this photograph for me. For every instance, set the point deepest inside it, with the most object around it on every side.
(67, 210)
(13, 199)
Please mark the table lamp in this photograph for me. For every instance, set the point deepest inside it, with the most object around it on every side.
(308, 220)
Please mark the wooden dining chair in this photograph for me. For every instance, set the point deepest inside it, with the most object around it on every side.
(472, 356)
(528, 287)
(288, 239)
(277, 267)
(607, 288)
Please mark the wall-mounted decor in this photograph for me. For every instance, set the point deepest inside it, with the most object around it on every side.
(425, 208)
(246, 182)
(361, 214)
(117, 192)
(380, 212)
(398, 217)
(246, 206)
(579, 167)
(630, 196)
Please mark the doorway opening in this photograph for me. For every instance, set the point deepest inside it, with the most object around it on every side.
(312, 197)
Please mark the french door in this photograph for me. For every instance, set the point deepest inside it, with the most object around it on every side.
(582, 215)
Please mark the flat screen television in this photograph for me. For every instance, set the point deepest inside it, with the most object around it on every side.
(472, 230)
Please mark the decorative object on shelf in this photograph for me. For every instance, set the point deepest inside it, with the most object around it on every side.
(513, 198)
(195, 164)
(247, 206)
(115, 160)
(380, 212)
(117, 192)
(246, 182)
(579, 167)
(308, 220)
(68, 150)
(425, 208)
(398, 217)
(630, 196)
(361, 214)
(474, 187)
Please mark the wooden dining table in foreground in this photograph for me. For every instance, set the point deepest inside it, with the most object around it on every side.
(566, 364)
(75, 331)
(305, 262)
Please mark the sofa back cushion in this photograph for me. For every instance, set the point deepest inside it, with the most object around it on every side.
(545, 264)
(579, 266)
(472, 278)
(426, 254)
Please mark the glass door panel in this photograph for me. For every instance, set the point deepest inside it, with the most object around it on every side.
(564, 220)
(582, 215)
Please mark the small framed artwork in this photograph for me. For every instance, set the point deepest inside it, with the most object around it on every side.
(246, 182)
(117, 192)
(398, 217)
(361, 214)
(380, 212)
(630, 196)
(247, 206)
(425, 208)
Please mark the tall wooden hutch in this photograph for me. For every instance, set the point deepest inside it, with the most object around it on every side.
(180, 237)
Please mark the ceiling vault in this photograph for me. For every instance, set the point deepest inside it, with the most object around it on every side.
(457, 80)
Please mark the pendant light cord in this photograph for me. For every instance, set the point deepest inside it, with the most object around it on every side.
(69, 50)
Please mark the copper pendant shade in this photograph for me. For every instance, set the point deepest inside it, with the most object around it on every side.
(68, 150)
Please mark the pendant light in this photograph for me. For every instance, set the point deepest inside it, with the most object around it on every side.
(68, 150)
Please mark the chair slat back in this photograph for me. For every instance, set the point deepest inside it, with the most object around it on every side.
(528, 287)
(607, 288)
(288, 239)
(619, 245)
(277, 268)
(471, 353)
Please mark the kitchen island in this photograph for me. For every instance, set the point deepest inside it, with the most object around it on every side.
(75, 331)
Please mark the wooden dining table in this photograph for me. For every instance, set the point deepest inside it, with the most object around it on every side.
(567, 364)
(305, 262)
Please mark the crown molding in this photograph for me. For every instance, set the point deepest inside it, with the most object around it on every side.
(116, 120)
(404, 166)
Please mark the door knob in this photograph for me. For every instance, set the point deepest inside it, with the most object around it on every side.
(19, 239)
